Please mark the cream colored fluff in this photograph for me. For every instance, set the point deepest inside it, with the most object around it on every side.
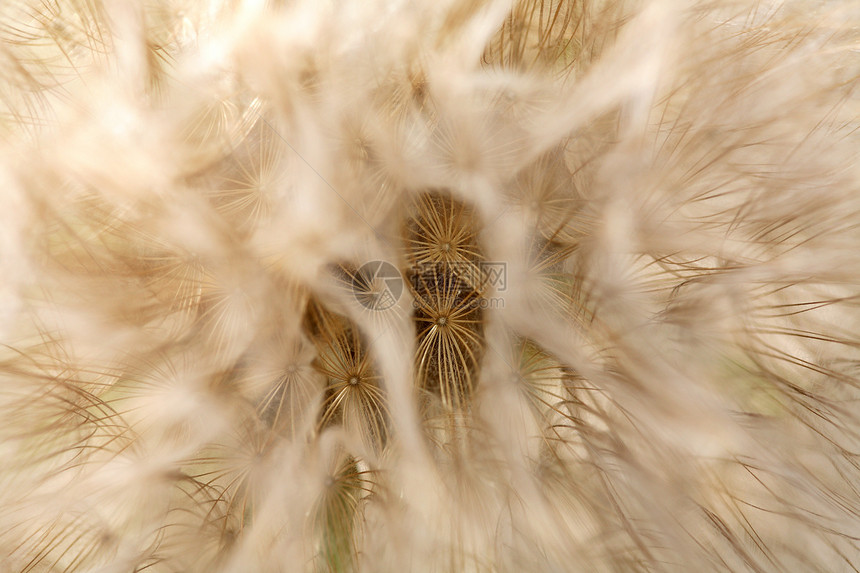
(667, 379)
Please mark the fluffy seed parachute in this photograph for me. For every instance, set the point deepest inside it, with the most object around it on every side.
(543, 286)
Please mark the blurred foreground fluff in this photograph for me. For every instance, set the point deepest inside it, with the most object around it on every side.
(198, 374)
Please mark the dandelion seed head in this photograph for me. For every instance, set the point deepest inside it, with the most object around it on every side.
(615, 331)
